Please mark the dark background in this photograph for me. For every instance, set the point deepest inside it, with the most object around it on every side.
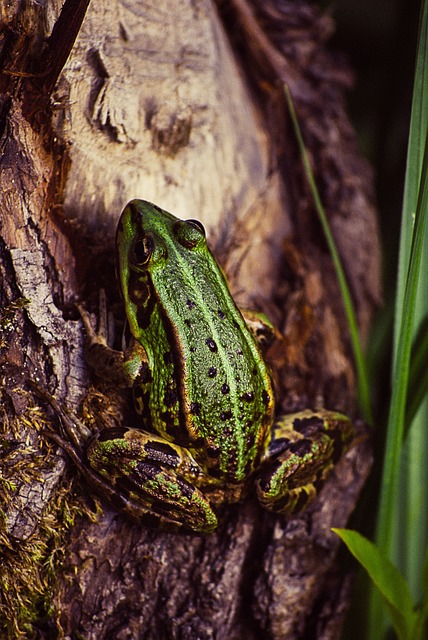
(379, 40)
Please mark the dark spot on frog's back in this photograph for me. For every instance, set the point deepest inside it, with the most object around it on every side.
(212, 372)
(232, 462)
(141, 295)
(248, 396)
(195, 408)
(168, 357)
(170, 397)
(211, 345)
(142, 472)
(213, 451)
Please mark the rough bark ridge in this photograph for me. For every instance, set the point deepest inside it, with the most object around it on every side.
(203, 125)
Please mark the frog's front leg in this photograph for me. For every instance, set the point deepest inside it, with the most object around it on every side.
(122, 367)
(301, 453)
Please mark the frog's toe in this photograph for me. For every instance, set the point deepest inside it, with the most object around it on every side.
(279, 495)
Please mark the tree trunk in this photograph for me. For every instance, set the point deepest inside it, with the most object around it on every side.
(180, 103)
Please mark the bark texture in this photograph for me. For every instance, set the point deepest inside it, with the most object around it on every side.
(180, 103)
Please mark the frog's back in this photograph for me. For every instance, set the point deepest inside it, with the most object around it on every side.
(228, 401)
(209, 389)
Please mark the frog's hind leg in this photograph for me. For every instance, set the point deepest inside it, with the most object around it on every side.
(150, 479)
(301, 453)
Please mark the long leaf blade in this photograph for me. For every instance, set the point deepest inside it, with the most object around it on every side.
(388, 580)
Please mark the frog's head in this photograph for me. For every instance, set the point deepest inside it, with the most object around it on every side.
(152, 246)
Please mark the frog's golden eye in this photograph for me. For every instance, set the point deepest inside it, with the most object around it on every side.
(196, 225)
(143, 250)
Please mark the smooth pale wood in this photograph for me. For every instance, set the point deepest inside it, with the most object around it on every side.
(156, 108)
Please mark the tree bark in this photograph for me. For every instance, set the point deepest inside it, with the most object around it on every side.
(180, 103)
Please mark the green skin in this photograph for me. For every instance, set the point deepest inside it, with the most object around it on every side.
(202, 389)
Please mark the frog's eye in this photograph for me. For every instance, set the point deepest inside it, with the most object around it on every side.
(196, 225)
(189, 233)
(142, 250)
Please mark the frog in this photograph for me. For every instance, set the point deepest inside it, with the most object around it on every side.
(207, 433)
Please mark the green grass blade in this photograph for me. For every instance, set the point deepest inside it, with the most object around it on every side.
(363, 387)
(402, 525)
(415, 155)
(418, 381)
(424, 579)
(389, 519)
(389, 582)
(402, 364)
(422, 622)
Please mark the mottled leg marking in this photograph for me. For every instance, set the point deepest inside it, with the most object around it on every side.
(152, 479)
(302, 452)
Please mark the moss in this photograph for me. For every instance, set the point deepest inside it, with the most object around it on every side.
(32, 566)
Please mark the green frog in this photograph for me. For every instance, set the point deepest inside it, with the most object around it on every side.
(201, 388)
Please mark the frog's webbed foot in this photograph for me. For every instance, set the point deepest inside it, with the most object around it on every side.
(110, 364)
(301, 454)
